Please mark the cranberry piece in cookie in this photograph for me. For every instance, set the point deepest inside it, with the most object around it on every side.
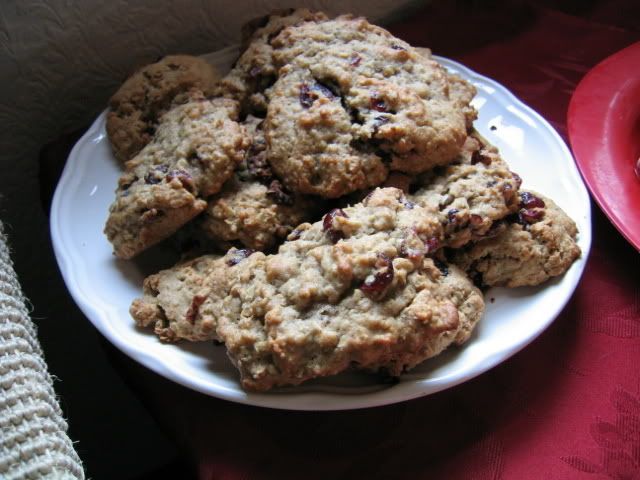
(327, 224)
(530, 215)
(235, 256)
(529, 200)
(376, 284)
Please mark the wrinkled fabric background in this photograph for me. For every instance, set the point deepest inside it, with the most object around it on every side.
(59, 63)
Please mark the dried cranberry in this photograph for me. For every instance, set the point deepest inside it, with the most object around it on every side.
(378, 104)
(508, 193)
(443, 267)
(325, 90)
(306, 99)
(375, 285)
(432, 244)
(308, 95)
(151, 179)
(255, 71)
(479, 157)
(475, 220)
(528, 200)
(517, 179)
(179, 174)
(278, 194)
(183, 177)
(236, 256)
(409, 205)
(355, 60)
(256, 160)
(410, 252)
(192, 312)
(327, 224)
(531, 216)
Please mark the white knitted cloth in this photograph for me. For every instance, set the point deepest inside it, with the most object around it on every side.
(33, 438)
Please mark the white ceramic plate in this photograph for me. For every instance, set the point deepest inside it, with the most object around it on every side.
(104, 287)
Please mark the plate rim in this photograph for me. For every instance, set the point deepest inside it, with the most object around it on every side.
(581, 151)
(305, 401)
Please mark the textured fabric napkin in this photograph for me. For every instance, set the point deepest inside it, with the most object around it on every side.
(33, 438)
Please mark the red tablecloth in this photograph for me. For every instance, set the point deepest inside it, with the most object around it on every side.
(566, 407)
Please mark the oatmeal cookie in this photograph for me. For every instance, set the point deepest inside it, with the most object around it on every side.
(352, 102)
(537, 243)
(354, 290)
(256, 215)
(253, 207)
(311, 142)
(176, 300)
(399, 100)
(135, 109)
(194, 151)
(471, 194)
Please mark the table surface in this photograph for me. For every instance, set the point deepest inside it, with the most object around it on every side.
(568, 406)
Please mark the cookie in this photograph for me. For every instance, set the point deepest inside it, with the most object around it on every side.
(194, 151)
(176, 300)
(352, 102)
(253, 207)
(399, 100)
(254, 214)
(535, 244)
(136, 108)
(353, 290)
(471, 194)
(311, 140)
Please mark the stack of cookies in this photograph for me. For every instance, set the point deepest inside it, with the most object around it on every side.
(336, 122)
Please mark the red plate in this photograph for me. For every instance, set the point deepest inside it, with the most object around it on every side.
(604, 131)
